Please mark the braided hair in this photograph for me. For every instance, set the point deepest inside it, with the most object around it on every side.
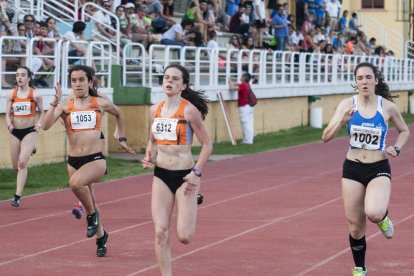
(90, 74)
(30, 75)
(197, 98)
(381, 88)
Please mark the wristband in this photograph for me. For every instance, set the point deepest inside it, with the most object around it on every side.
(196, 171)
(397, 150)
(122, 139)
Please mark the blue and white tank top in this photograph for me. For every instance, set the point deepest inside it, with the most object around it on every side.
(367, 133)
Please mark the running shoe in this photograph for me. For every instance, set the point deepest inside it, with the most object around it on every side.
(15, 202)
(386, 227)
(101, 243)
(200, 199)
(93, 224)
(360, 271)
(77, 211)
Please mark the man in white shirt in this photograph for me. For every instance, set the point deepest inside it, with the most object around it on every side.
(332, 8)
(101, 22)
(178, 34)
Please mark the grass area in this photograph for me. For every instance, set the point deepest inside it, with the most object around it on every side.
(51, 177)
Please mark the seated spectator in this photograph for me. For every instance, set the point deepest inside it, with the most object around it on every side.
(341, 27)
(43, 48)
(101, 23)
(212, 40)
(338, 43)
(307, 24)
(179, 34)
(238, 23)
(318, 35)
(53, 31)
(160, 20)
(76, 49)
(307, 45)
(353, 25)
(29, 22)
(13, 47)
(6, 16)
(350, 45)
(361, 45)
(296, 39)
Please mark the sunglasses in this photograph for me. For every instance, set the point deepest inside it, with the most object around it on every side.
(21, 30)
(29, 20)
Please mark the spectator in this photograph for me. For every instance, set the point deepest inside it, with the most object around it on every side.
(245, 110)
(307, 24)
(43, 48)
(280, 26)
(179, 34)
(307, 43)
(318, 35)
(361, 45)
(320, 12)
(231, 7)
(155, 6)
(296, 39)
(76, 49)
(239, 23)
(212, 40)
(260, 17)
(53, 31)
(341, 27)
(332, 9)
(354, 25)
(338, 43)
(350, 45)
(6, 16)
(29, 22)
(13, 47)
(101, 23)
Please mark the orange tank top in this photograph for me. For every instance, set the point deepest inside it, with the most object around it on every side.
(23, 107)
(85, 119)
(174, 130)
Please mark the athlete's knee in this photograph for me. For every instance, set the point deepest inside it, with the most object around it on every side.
(356, 231)
(22, 164)
(185, 238)
(375, 216)
(161, 235)
(74, 184)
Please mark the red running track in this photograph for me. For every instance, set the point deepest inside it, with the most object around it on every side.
(272, 213)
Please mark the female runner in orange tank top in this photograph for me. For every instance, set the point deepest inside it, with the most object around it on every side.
(176, 177)
(86, 164)
(21, 106)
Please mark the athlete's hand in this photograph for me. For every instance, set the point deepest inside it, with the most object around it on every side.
(391, 151)
(126, 148)
(348, 112)
(58, 94)
(147, 163)
(191, 184)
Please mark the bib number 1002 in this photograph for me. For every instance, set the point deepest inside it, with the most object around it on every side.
(365, 138)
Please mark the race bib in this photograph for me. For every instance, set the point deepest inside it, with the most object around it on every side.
(365, 137)
(165, 129)
(83, 119)
(21, 108)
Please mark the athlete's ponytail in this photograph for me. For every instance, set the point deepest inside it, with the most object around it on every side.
(197, 98)
(381, 88)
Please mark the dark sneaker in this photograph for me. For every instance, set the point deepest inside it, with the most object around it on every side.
(77, 211)
(101, 243)
(200, 199)
(15, 202)
(93, 224)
